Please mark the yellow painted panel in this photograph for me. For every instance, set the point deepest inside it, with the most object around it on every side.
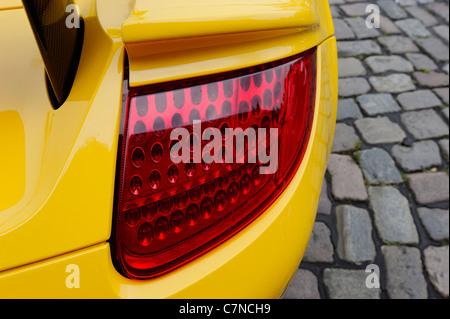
(154, 20)
(12, 159)
(213, 46)
(10, 4)
(66, 200)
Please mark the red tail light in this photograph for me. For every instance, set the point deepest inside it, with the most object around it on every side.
(168, 214)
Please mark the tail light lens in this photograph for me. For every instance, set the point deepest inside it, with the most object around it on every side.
(170, 213)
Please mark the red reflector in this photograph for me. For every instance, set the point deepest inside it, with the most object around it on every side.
(169, 213)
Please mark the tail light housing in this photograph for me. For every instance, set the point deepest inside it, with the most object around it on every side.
(167, 213)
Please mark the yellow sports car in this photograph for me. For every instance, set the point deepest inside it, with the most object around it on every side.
(161, 149)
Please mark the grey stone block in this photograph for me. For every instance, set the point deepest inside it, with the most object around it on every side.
(392, 10)
(393, 83)
(437, 266)
(324, 206)
(444, 146)
(420, 99)
(378, 167)
(348, 284)
(435, 48)
(379, 130)
(443, 94)
(387, 26)
(393, 217)
(398, 44)
(384, 63)
(431, 79)
(413, 28)
(420, 155)
(441, 9)
(405, 278)
(427, 19)
(355, 242)
(353, 86)
(374, 104)
(348, 109)
(304, 285)
(342, 30)
(360, 28)
(320, 248)
(405, 3)
(347, 181)
(355, 9)
(421, 61)
(442, 31)
(350, 67)
(424, 124)
(356, 48)
(435, 222)
(429, 188)
(335, 12)
(345, 138)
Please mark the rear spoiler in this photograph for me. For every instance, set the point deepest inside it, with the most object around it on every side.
(59, 32)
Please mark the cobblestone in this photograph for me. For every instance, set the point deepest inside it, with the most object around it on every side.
(348, 284)
(393, 83)
(324, 201)
(381, 64)
(374, 104)
(350, 67)
(360, 29)
(406, 3)
(392, 10)
(355, 242)
(427, 19)
(379, 130)
(420, 99)
(347, 181)
(387, 26)
(405, 279)
(421, 61)
(345, 138)
(413, 28)
(379, 167)
(431, 79)
(444, 145)
(393, 217)
(398, 44)
(436, 264)
(356, 48)
(421, 155)
(429, 188)
(348, 109)
(335, 12)
(343, 31)
(320, 248)
(442, 31)
(443, 94)
(355, 9)
(440, 9)
(424, 124)
(435, 48)
(304, 285)
(435, 222)
(353, 86)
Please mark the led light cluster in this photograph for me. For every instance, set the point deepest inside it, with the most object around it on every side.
(169, 213)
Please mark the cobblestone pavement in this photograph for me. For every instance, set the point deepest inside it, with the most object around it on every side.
(385, 199)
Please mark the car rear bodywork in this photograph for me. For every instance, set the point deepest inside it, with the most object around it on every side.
(58, 167)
